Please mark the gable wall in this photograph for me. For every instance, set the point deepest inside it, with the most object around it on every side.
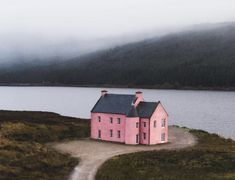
(155, 132)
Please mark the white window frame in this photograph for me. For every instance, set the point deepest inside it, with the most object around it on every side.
(119, 120)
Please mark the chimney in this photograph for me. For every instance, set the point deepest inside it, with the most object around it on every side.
(103, 92)
(139, 94)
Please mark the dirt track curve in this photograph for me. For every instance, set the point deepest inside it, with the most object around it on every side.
(93, 154)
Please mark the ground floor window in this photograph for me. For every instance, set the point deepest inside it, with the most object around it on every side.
(144, 135)
(99, 133)
(119, 134)
(137, 138)
(111, 133)
(163, 137)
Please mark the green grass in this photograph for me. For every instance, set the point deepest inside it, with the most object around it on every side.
(23, 150)
(212, 158)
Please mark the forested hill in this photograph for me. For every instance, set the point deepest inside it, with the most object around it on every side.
(196, 58)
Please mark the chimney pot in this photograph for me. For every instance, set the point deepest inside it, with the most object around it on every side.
(103, 92)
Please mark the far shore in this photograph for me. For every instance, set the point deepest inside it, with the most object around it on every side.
(157, 87)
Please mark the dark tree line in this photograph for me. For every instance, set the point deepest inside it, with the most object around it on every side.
(203, 58)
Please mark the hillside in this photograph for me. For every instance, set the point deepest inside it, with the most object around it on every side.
(24, 149)
(196, 58)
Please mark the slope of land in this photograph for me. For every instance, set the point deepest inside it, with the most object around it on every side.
(93, 153)
(201, 58)
(23, 153)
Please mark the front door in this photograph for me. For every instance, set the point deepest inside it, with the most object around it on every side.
(99, 134)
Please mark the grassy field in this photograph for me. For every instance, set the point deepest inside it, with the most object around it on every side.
(23, 150)
(212, 158)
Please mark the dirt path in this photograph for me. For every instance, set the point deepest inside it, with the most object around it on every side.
(93, 153)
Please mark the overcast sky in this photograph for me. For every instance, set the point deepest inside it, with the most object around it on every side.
(91, 19)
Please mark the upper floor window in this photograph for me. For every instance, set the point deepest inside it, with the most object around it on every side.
(111, 120)
(137, 125)
(111, 133)
(155, 124)
(164, 122)
(99, 119)
(144, 124)
(119, 134)
(119, 120)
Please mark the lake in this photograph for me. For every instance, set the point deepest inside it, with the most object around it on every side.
(213, 111)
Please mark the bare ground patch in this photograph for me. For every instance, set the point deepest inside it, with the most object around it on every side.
(94, 153)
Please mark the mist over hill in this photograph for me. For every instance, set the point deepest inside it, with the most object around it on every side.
(204, 57)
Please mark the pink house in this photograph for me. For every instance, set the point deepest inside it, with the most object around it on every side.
(129, 119)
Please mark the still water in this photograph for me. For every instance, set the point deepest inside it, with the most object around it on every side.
(213, 111)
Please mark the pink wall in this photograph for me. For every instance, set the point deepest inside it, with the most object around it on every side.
(155, 132)
(128, 129)
(132, 130)
(105, 126)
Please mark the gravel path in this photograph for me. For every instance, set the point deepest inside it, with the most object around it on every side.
(93, 153)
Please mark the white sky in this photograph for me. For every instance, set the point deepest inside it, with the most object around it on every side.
(47, 28)
(101, 18)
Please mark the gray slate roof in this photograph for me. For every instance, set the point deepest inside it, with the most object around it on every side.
(114, 104)
(146, 109)
(133, 112)
(122, 104)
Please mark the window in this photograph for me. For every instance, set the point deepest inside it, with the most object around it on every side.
(99, 119)
(163, 137)
(163, 122)
(119, 134)
(144, 135)
(111, 133)
(155, 124)
(144, 124)
(99, 134)
(111, 120)
(119, 120)
(137, 125)
(137, 138)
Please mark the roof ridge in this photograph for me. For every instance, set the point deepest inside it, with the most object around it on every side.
(149, 101)
(121, 94)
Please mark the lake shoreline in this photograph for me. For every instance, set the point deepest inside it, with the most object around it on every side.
(186, 108)
(155, 87)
